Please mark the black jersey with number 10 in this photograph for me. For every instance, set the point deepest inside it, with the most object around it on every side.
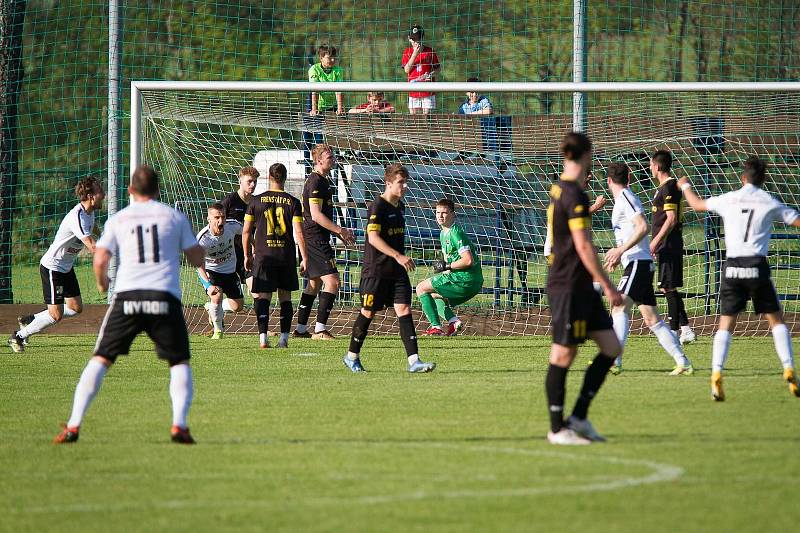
(389, 222)
(273, 213)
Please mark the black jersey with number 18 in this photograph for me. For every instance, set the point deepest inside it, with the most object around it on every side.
(568, 210)
(272, 213)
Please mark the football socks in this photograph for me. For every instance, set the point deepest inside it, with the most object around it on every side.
(88, 385)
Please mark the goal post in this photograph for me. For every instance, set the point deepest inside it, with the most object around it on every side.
(496, 168)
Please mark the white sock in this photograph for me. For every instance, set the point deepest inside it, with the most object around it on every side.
(284, 337)
(215, 313)
(783, 345)
(88, 385)
(352, 356)
(262, 338)
(69, 312)
(669, 341)
(454, 320)
(413, 359)
(41, 321)
(686, 329)
(180, 390)
(621, 322)
(320, 327)
(719, 353)
(226, 306)
(301, 328)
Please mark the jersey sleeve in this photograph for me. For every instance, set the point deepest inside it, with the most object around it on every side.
(785, 214)
(235, 225)
(249, 213)
(671, 196)
(297, 211)
(435, 60)
(576, 207)
(459, 240)
(316, 190)
(485, 103)
(406, 56)
(81, 224)
(632, 204)
(374, 218)
(716, 204)
(108, 239)
(187, 235)
(312, 74)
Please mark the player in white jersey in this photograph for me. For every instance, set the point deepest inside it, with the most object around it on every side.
(60, 288)
(147, 237)
(747, 215)
(218, 275)
(632, 251)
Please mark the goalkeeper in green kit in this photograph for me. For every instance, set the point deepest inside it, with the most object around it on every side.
(459, 276)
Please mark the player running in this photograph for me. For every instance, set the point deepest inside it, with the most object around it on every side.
(636, 285)
(459, 275)
(384, 274)
(272, 225)
(577, 309)
(747, 215)
(147, 237)
(62, 294)
(218, 275)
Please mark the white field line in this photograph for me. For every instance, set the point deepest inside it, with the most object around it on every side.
(659, 473)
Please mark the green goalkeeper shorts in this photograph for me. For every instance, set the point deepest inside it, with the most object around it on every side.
(456, 292)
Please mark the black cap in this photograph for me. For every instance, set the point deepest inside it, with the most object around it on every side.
(416, 32)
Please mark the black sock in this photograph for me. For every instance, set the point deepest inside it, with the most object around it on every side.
(360, 330)
(304, 309)
(261, 306)
(408, 334)
(673, 309)
(286, 316)
(592, 381)
(325, 305)
(683, 320)
(555, 385)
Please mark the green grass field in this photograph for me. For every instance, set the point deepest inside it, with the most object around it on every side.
(292, 441)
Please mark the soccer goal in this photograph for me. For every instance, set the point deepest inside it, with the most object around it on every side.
(497, 169)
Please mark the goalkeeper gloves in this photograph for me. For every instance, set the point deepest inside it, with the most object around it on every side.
(440, 265)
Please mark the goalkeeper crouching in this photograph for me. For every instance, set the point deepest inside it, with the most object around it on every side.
(459, 276)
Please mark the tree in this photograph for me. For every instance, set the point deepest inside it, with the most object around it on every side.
(12, 15)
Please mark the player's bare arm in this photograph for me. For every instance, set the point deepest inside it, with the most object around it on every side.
(588, 254)
(614, 255)
(89, 241)
(247, 235)
(102, 257)
(598, 204)
(319, 218)
(212, 289)
(669, 224)
(377, 241)
(300, 239)
(692, 198)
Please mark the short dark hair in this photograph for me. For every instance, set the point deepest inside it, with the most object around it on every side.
(395, 170)
(218, 207)
(446, 202)
(619, 173)
(574, 145)
(755, 171)
(662, 159)
(277, 173)
(87, 186)
(473, 80)
(326, 49)
(144, 181)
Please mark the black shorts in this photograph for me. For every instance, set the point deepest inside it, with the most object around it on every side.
(240, 271)
(380, 293)
(747, 278)
(637, 282)
(575, 314)
(321, 259)
(670, 270)
(269, 277)
(157, 313)
(229, 283)
(58, 285)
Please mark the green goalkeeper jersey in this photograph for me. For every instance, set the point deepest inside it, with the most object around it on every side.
(454, 243)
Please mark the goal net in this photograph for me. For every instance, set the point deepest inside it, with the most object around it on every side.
(496, 168)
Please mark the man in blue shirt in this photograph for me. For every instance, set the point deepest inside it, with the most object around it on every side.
(475, 104)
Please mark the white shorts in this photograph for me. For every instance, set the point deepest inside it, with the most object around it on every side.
(426, 102)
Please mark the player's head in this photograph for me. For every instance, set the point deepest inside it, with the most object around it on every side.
(755, 171)
(660, 161)
(375, 97)
(323, 158)
(396, 177)
(618, 174)
(445, 212)
(90, 190)
(416, 33)
(327, 55)
(144, 182)
(248, 176)
(576, 148)
(216, 217)
(277, 175)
